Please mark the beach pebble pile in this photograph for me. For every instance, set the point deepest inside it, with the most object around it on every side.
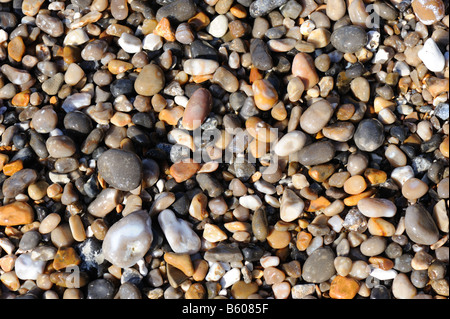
(224, 149)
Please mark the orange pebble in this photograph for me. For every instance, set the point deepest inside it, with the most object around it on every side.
(13, 167)
(238, 11)
(303, 240)
(265, 94)
(355, 185)
(21, 99)
(318, 204)
(343, 288)
(164, 29)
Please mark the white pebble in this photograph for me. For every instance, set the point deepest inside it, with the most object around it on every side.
(401, 174)
(431, 56)
(252, 202)
(381, 274)
(152, 42)
(27, 268)
(76, 37)
(3, 36)
(218, 26)
(215, 272)
(129, 43)
(269, 261)
(336, 223)
(401, 68)
(181, 237)
(230, 277)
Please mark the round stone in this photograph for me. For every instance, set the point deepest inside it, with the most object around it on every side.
(150, 80)
(45, 120)
(291, 142)
(369, 135)
(120, 169)
(60, 146)
(349, 39)
(414, 188)
(319, 266)
(128, 240)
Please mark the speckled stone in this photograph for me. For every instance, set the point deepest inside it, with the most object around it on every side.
(120, 169)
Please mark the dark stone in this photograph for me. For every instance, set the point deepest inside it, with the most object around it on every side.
(100, 289)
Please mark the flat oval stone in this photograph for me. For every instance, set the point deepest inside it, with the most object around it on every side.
(319, 266)
(349, 39)
(316, 153)
(260, 8)
(197, 109)
(17, 183)
(377, 207)
(150, 80)
(316, 117)
(339, 131)
(182, 239)
(290, 143)
(177, 11)
(200, 66)
(120, 169)
(128, 240)
(60, 146)
(369, 135)
(420, 226)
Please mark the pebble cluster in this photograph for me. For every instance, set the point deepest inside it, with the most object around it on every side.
(333, 113)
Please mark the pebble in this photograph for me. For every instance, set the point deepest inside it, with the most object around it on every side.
(200, 66)
(316, 117)
(431, 56)
(402, 288)
(101, 288)
(27, 268)
(344, 288)
(135, 237)
(260, 55)
(430, 12)
(420, 226)
(369, 135)
(105, 202)
(260, 8)
(349, 39)
(218, 26)
(182, 239)
(303, 67)
(291, 142)
(319, 266)
(178, 11)
(120, 169)
(316, 153)
(291, 206)
(197, 109)
(150, 81)
(414, 188)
